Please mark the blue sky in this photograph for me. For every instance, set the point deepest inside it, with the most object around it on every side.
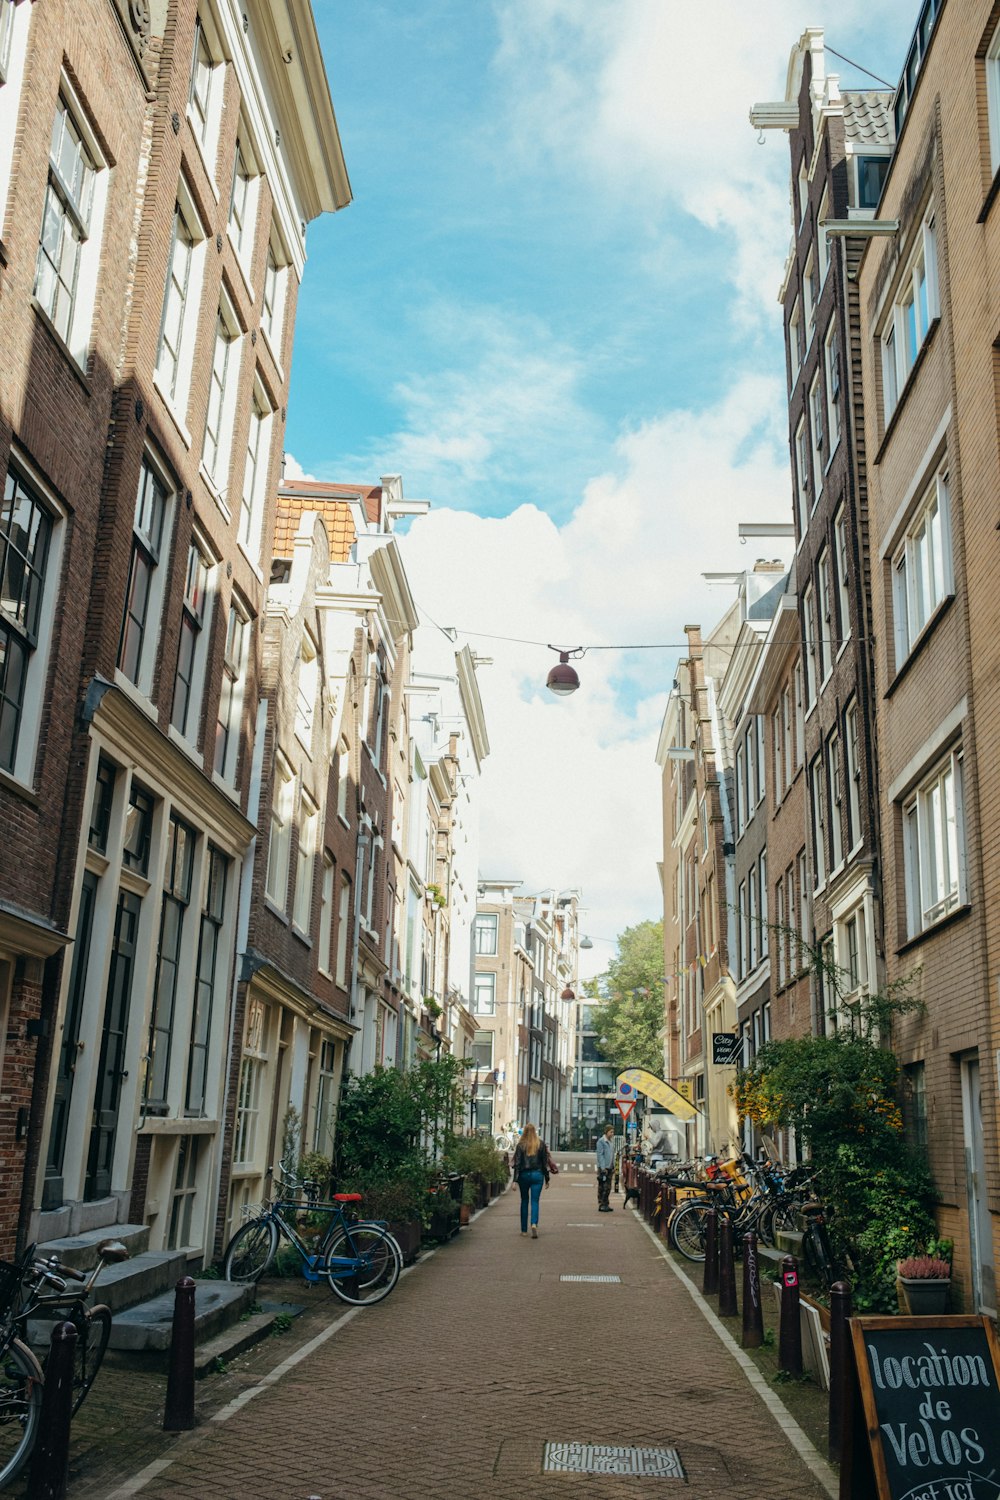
(552, 308)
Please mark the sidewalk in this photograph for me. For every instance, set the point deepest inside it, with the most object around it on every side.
(481, 1356)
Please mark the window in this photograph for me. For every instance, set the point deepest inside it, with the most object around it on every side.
(853, 774)
(816, 421)
(144, 593)
(824, 634)
(803, 475)
(787, 749)
(253, 498)
(343, 928)
(193, 645)
(326, 915)
(781, 935)
(762, 884)
(871, 174)
(842, 570)
(221, 399)
(740, 803)
(304, 860)
(343, 779)
(68, 249)
(838, 810)
(210, 976)
(993, 99)
(180, 303)
(307, 689)
(190, 1151)
(803, 186)
(485, 1002)
(853, 955)
(26, 565)
(914, 309)
(326, 1098)
(100, 808)
(486, 932)
(810, 292)
(272, 314)
(742, 933)
(933, 846)
(758, 733)
(176, 899)
(243, 202)
(779, 777)
(818, 821)
(805, 915)
(279, 848)
(482, 1050)
(252, 1071)
(6, 36)
(753, 919)
(822, 238)
(831, 366)
(914, 1103)
(138, 830)
(794, 343)
(922, 566)
(809, 633)
(234, 668)
(800, 729)
(14, 23)
(205, 94)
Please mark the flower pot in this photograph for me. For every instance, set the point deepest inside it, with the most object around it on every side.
(925, 1296)
(408, 1234)
(465, 1213)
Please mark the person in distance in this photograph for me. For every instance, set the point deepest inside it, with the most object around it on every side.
(531, 1172)
(605, 1167)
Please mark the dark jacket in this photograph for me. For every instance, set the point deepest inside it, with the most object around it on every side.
(537, 1163)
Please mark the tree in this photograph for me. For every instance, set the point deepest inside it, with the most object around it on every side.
(629, 1016)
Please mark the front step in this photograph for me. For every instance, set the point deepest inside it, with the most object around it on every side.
(217, 1304)
(80, 1250)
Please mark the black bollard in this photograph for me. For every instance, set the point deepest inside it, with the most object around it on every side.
(840, 1338)
(790, 1336)
(178, 1413)
(753, 1311)
(727, 1270)
(50, 1460)
(710, 1277)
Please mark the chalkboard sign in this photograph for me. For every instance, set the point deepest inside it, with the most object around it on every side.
(927, 1399)
(727, 1048)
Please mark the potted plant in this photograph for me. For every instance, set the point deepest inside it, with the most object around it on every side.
(397, 1202)
(925, 1280)
(442, 1213)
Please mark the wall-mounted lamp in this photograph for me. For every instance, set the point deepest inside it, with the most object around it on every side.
(562, 680)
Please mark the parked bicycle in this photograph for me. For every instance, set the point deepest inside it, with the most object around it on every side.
(38, 1290)
(359, 1258)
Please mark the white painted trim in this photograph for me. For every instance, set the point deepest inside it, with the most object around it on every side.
(928, 752)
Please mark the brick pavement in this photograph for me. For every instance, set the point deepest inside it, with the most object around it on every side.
(452, 1385)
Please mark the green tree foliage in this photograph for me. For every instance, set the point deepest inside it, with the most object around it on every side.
(392, 1125)
(629, 1016)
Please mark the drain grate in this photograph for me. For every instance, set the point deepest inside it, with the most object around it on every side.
(593, 1458)
(588, 1225)
(591, 1278)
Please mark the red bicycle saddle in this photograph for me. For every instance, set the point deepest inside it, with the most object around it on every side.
(347, 1197)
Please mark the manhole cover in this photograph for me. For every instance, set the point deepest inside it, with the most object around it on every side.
(591, 1458)
(590, 1278)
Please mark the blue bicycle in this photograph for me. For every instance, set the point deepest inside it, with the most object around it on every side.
(360, 1259)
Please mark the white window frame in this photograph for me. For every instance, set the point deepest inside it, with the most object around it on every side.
(220, 411)
(35, 636)
(307, 685)
(205, 114)
(484, 1000)
(831, 371)
(234, 670)
(196, 618)
(803, 475)
(305, 863)
(485, 935)
(280, 842)
(256, 473)
(852, 770)
(835, 792)
(81, 215)
(764, 939)
(912, 314)
(922, 576)
(179, 312)
(274, 297)
(15, 23)
(817, 818)
(343, 929)
(343, 780)
(822, 238)
(993, 99)
(809, 649)
(740, 796)
(157, 552)
(816, 422)
(934, 845)
(824, 615)
(841, 566)
(810, 290)
(244, 200)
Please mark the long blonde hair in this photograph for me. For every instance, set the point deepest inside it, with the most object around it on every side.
(530, 1141)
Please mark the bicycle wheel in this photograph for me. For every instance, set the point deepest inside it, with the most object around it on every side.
(818, 1255)
(20, 1408)
(688, 1230)
(778, 1218)
(375, 1264)
(250, 1251)
(91, 1346)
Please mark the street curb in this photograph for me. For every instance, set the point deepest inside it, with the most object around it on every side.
(817, 1466)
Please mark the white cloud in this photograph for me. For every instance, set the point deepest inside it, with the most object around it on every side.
(293, 470)
(571, 791)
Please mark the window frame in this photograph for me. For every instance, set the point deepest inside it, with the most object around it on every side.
(229, 719)
(152, 552)
(280, 842)
(909, 570)
(918, 824)
(902, 339)
(196, 629)
(220, 408)
(33, 636)
(181, 304)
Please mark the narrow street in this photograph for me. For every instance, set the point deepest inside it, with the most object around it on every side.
(482, 1356)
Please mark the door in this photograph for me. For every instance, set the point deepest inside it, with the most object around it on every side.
(52, 1193)
(110, 1072)
(980, 1229)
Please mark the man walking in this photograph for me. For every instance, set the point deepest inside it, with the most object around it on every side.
(605, 1167)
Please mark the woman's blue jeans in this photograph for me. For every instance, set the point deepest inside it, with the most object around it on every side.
(530, 1182)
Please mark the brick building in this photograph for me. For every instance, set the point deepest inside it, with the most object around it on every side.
(153, 245)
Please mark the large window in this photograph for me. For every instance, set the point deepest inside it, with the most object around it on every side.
(816, 423)
(921, 567)
(482, 1050)
(914, 309)
(818, 820)
(824, 610)
(176, 899)
(933, 846)
(486, 932)
(251, 1092)
(993, 98)
(794, 343)
(343, 930)
(272, 315)
(803, 476)
(307, 690)
(304, 863)
(234, 666)
(26, 532)
(6, 36)
(831, 369)
(853, 770)
(66, 271)
(809, 643)
(221, 399)
(178, 319)
(205, 95)
(871, 174)
(838, 808)
(253, 498)
(193, 645)
(243, 202)
(140, 625)
(279, 848)
(210, 979)
(485, 1003)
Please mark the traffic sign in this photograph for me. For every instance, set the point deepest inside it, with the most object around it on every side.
(626, 1106)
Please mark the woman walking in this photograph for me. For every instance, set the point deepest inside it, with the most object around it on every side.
(531, 1170)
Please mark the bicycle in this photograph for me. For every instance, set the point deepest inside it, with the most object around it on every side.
(359, 1258)
(39, 1288)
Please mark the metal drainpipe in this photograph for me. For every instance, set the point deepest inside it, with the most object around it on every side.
(243, 912)
(364, 839)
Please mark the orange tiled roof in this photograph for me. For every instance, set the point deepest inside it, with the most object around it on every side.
(329, 502)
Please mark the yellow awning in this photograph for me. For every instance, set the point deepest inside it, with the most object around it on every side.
(661, 1092)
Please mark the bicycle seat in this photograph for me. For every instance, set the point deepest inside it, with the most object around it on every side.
(112, 1251)
(347, 1197)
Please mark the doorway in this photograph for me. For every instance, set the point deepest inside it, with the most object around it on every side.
(984, 1294)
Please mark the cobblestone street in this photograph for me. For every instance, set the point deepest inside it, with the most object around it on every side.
(479, 1358)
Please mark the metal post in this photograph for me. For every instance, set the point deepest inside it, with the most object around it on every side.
(710, 1277)
(790, 1335)
(727, 1270)
(50, 1461)
(178, 1413)
(753, 1311)
(840, 1337)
